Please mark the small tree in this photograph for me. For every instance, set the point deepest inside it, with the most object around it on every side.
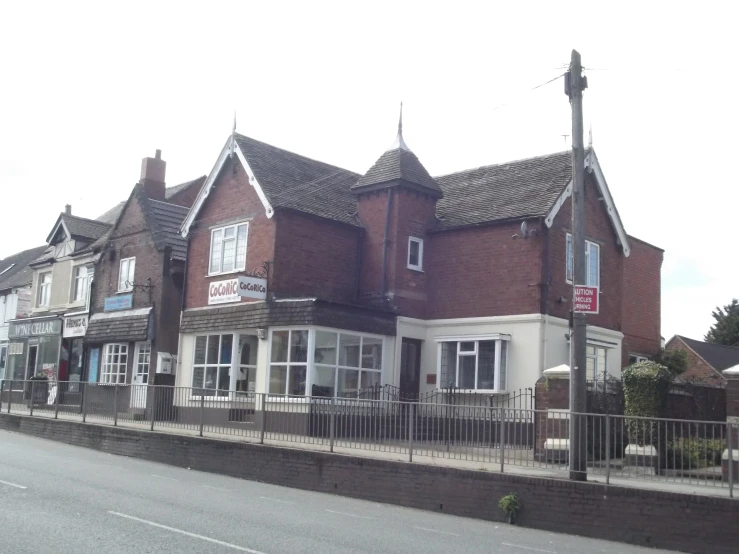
(726, 329)
(676, 361)
(646, 386)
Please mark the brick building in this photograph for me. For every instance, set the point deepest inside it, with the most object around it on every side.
(396, 277)
(706, 361)
(132, 335)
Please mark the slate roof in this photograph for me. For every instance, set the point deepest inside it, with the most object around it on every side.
(290, 180)
(168, 219)
(718, 356)
(112, 214)
(130, 325)
(310, 311)
(80, 227)
(517, 189)
(398, 164)
(18, 273)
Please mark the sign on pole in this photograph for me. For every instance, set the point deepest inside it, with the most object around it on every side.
(586, 300)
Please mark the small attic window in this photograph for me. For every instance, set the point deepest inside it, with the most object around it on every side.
(415, 253)
(11, 266)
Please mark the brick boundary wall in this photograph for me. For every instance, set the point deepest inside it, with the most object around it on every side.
(688, 523)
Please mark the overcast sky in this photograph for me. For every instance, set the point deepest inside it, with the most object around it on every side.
(90, 89)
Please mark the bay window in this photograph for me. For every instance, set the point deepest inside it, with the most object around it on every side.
(474, 364)
(324, 362)
(228, 249)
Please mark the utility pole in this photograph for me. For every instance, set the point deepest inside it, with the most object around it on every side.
(575, 83)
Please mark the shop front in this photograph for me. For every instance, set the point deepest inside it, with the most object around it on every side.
(34, 349)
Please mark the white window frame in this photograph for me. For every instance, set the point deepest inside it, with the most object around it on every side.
(222, 231)
(85, 284)
(501, 363)
(142, 349)
(598, 372)
(570, 266)
(218, 394)
(638, 357)
(110, 371)
(43, 295)
(311, 365)
(419, 266)
(126, 285)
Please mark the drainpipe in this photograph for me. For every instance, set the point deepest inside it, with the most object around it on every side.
(358, 267)
(546, 281)
(385, 242)
(182, 309)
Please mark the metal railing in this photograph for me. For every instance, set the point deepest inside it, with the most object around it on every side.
(618, 449)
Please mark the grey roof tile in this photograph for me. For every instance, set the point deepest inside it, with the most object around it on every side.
(14, 270)
(169, 218)
(112, 214)
(80, 227)
(720, 357)
(293, 181)
(119, 329)
(398, 164)
(521, 188)
(176, 189)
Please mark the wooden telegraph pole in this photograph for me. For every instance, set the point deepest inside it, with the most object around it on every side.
(574, 85)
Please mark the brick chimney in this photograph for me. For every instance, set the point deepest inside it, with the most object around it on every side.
(152, 176)
(68, 209)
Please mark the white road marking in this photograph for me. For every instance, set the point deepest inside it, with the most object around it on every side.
(350, 515)
(163, 477)
(527, 548)
(436, 531)
(277, 500)
(187, 533)
(215, 488)
(13, 485)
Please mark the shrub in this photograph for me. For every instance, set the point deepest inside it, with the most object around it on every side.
(693, 453)
(510, 506)
(646, 385)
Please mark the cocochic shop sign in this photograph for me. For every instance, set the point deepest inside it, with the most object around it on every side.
(233, 290)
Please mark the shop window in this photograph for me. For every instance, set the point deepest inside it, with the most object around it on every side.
(212, 365)
(228, 249)
(126, 272)
(115, 362)
(44, 289)
(357, 366)
(288, 368)
(475, 365)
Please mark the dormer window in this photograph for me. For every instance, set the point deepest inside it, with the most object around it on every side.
(415, 253)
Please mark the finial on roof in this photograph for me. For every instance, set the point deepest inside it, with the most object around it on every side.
(399, 142)
(233, 137)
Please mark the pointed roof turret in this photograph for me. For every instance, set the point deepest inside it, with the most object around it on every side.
(398, 166)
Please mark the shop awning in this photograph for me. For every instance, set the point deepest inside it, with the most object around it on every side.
(124, 326)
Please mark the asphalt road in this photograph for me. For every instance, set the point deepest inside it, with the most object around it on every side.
(65, 499)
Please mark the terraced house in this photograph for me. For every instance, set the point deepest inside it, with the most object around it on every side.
(308, 279)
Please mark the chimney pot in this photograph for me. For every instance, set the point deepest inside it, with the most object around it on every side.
(68, 209)
(158, 154)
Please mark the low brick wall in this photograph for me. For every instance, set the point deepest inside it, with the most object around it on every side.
(644, 517)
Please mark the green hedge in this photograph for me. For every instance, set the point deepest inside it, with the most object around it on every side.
(646, 386)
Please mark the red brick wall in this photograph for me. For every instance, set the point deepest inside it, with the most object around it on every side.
(698, 369)
(371, 208)
(314, 257)
(187, 197)
(231, 199)
(598, 229)
(482, 271)
(641, 306)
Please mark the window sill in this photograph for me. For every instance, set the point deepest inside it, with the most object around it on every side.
(416, 269)
(124, 291)
(234, 272)
(475, 391)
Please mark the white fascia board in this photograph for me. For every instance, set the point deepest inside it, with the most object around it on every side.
(60, 221)
(205, 189)
(519, 318)
(591, 163)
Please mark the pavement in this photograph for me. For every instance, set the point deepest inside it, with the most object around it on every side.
(66, 499)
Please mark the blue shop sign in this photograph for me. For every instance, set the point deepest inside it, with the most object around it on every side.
(121, 302)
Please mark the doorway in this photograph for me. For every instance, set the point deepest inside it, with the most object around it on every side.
(410, 369)
(30, 367)
(141, 363)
